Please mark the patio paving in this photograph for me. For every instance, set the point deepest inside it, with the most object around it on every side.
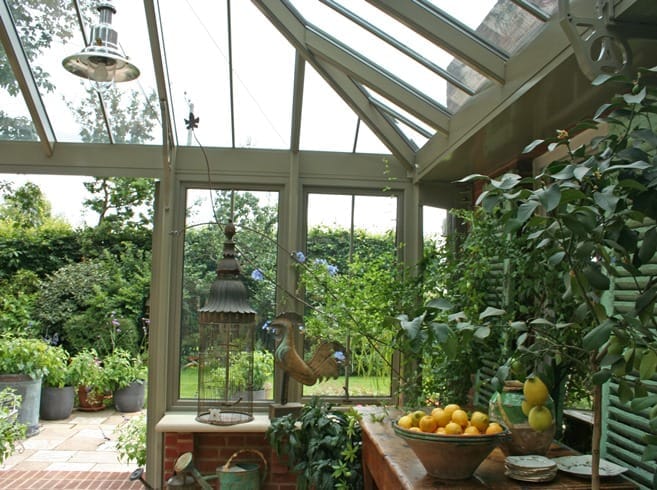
(79, 452)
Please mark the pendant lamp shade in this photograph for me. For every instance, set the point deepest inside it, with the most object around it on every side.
(102, 61)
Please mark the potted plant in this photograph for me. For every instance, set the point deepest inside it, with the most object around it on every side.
(126, 374)
(131, 440)
(11, 431)
(23, 364)
(57, 391)
(263, 368)
(88, 374)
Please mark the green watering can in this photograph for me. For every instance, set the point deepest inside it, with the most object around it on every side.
(242, 476)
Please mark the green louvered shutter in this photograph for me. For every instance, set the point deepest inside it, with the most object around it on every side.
(624, 428)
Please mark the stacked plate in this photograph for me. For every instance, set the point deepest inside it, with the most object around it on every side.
(530, 468)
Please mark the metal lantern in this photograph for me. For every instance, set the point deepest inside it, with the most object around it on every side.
(226, 344)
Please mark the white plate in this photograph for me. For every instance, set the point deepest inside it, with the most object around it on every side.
(531, 461)
(581, 466)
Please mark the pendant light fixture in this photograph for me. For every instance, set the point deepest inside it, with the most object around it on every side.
(101, 61)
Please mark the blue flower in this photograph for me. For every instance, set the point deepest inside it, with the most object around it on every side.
(265, 326)
(299, 257)
(301, 328)
(115, 322)
(257, 275)
(339, 356)
(332, 269)
(320, 261)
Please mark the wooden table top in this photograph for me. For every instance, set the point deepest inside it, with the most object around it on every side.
(393, 465)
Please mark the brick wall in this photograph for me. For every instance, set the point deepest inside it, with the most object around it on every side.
(213, 449)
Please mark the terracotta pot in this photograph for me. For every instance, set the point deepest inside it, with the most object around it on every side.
(89, 401)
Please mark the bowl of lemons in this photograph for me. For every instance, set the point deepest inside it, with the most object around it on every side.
(450, 442)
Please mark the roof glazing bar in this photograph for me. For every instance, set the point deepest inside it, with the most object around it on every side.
(297, 101)
(450, 35)
(158, 56)
(532, 9)
(21, 68)
(396, 115)
(399, 46)
(372, 75)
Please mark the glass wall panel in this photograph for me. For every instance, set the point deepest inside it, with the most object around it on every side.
(349, 277)
(256, 222)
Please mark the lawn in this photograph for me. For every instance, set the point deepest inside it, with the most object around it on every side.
(358, 385)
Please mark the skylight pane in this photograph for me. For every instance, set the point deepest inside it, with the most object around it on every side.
(48, 33)
(501, 23)
(368, 142)
(375, 50)
(15, 121)
(406, 122)
(327, 123)
(196, 45)
(263, 72)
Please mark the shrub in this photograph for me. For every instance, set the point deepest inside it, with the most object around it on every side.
(131, 440)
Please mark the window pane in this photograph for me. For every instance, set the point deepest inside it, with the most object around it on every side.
(255, 217)
(349, 277)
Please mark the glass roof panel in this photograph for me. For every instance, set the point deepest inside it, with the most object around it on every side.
(49, 32)
(15, 120)
(195, 39)
(502, 23)
(327, 122)
(415, 130)
(263, 73)
(377, 50)
(368, 142)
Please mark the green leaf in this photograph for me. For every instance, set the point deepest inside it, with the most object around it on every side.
(598, 336)
(482, 332)
(648, 247)
(601, 376)
(473, 178)
(441, 331)
(648, 364)
(649, 453)
(635, 98)
(440, 304)
(526, 210)
(639, 404)
(625, 391)
(566, 173)
(530, 147)
(550, 197)
(556, 258)
(596, 278)
(490, 311)
(580, 172)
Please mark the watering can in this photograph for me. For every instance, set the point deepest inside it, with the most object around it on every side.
(242, 476)
(186, 475)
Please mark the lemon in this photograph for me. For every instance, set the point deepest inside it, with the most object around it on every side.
(405, 422)
(479, 420)
(453, 428)
(540, 418)
(416, 416)
(494, 428)
(471, 430)
(460, 417)
(535, 391)
(428, 424)
(451, 408)
(442, 417)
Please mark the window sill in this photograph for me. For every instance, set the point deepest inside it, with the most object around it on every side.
(186, 422)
